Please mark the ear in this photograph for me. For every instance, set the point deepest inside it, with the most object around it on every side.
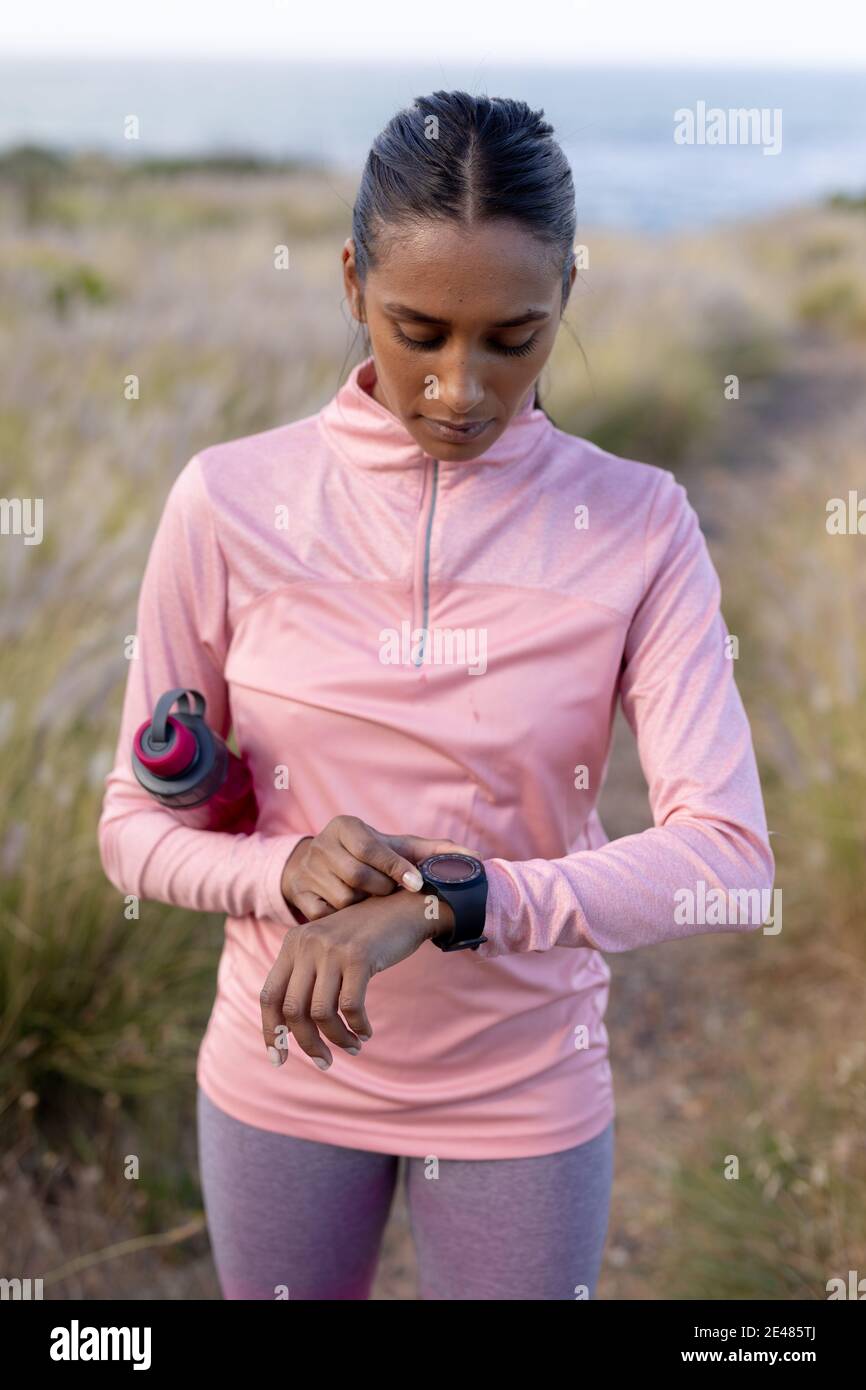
(351, 283)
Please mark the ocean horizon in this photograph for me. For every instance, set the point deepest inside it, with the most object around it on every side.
(616, 125)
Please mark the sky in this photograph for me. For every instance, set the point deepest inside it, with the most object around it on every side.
(767, 33)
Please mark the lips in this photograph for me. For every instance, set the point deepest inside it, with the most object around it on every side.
(468, 429)
(458, 425)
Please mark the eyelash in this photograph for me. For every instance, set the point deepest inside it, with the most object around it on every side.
(415, 346)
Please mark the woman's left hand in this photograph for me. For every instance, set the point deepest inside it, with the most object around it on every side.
(326, 965)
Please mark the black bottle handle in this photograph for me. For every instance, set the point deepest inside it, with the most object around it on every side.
(158, 729)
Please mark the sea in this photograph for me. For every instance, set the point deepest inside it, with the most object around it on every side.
(651, 150)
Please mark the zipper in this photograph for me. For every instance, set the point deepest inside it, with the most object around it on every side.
(431, 485)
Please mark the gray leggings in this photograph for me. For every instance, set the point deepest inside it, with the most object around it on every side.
(299, 1219)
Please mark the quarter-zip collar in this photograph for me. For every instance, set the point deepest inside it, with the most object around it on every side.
(369, 436)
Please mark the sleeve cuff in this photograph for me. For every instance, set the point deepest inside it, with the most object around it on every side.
(531, 906)
(275, 907)
(500, 922)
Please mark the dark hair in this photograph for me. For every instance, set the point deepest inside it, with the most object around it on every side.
(455, 157)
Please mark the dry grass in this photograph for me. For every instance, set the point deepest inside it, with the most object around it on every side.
(721, 1046)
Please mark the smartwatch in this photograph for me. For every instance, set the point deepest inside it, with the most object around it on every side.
(460, 880)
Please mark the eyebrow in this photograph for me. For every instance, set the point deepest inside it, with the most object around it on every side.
(403, 311)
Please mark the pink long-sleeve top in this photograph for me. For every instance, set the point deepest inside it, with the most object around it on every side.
(288, 581)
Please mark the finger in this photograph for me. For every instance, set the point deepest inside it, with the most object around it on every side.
(415, 849)
(336, 874)
(329, 884)
(312, 906)
(296, 1011)
(324, 1004)
(271, 999)
(375, 849)
(332, 891)
(353, 998)
(361, 879)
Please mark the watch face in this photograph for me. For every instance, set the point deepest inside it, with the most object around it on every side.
(451, 868)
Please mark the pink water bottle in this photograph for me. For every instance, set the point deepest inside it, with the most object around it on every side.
(187, 767)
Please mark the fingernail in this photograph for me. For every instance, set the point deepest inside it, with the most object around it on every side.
(365, 1037)
(274, 1057)
(322, 1062)
(353, 1050)
(412, 879)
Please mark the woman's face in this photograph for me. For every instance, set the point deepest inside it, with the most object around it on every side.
(461, 324)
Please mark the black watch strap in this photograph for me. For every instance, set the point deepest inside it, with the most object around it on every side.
(469, 906)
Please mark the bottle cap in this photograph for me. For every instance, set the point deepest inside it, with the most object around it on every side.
(170, 758)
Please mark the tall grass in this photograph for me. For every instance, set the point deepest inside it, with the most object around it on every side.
(795, 1103)
(170, 276)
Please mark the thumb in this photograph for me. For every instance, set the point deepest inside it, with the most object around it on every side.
(415, 848)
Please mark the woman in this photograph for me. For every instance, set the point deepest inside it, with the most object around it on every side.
(426, 628)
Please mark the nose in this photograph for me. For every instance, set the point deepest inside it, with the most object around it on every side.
(460, 389)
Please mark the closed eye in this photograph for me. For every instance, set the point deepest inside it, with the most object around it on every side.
(433, 344)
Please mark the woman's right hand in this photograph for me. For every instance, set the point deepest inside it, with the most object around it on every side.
(349, 861)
